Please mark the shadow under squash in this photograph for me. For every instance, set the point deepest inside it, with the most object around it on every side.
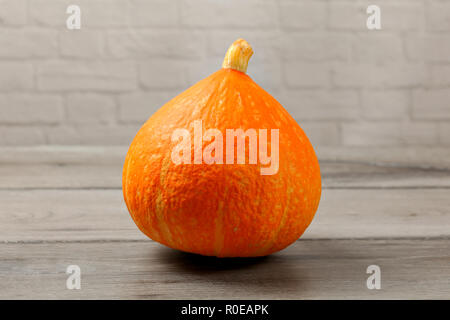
(271, 276)
(196, 263)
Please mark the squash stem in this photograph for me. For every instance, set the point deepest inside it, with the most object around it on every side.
(238, 55)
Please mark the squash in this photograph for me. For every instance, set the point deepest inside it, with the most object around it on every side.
(193, 178)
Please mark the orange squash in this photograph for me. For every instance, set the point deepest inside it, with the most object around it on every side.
(191, 186)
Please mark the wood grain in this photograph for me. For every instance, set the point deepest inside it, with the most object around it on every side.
(313, 269)
(62, 176)
(68, 215)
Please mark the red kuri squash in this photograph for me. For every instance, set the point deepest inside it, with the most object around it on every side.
(222, 169)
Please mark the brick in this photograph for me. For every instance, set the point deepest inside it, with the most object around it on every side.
(384, 104)
(266, 74)
(440, 75)
(356, 75)
(433, 48)
(42, 12)
(419, 133)
(444, 133)
(377, 47)
(300, 74)
(397, 17)
(82, 44)
(314, 47)
(16, 76)
(30, 109)
(155, 13)
(21, 136)
(139, 106)
(224, 13)
(90, 108)
(438, 16)
(28, 43)
(167, 44)
(62, 135)
(162, 74)
(370, 75)
(202, 68)
(321, 104)
(13, 12)
(91, 134)
(305, 15)
(87, 75)
(105, 13)
(321, 133)
(347, 16)
(431, 104)
(406, 16)
(388, 134)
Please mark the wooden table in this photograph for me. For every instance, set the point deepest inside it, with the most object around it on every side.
(64, 206)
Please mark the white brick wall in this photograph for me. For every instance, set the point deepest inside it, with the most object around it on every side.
(344, 84)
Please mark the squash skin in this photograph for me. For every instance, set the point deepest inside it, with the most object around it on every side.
(223, 210)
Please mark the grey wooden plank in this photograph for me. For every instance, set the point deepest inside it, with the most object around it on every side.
(67, 215)
(366, 175)
(32, 215)
(106, 176)
(414, 156)
(315, 269)
(54, 176)
(63, 154)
